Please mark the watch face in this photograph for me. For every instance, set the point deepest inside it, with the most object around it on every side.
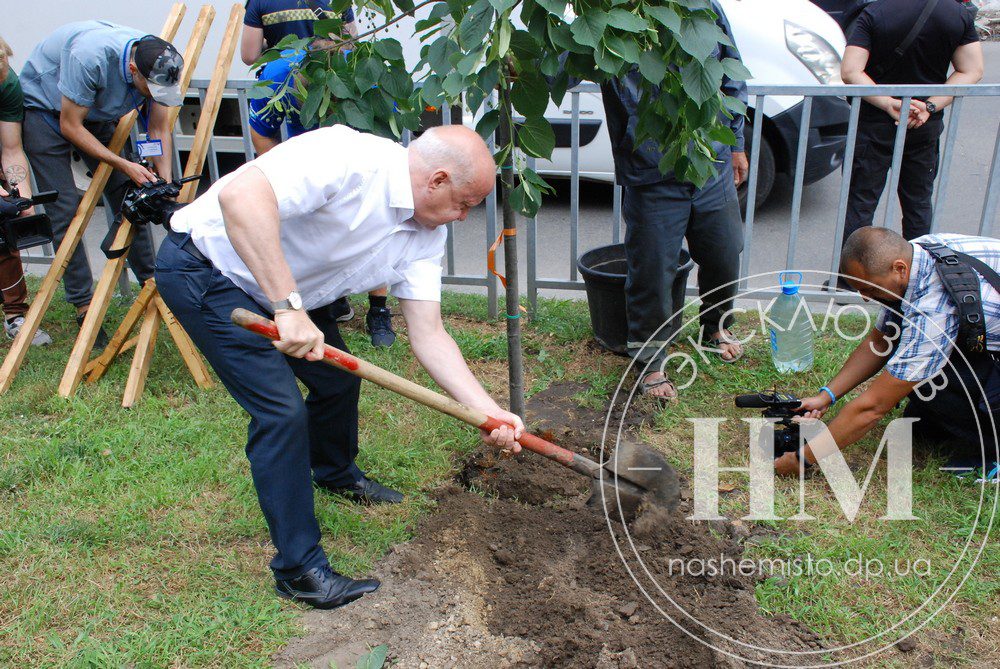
(295, 300)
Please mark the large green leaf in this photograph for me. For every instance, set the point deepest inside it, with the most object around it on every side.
(530, 94)
(503, 5)
(562, 37)
(652, 67)
(722, 133)
(439, 52)
(389, 49)
(338, 87)
(626, 20)
(524, 46)
(438, 12)
(476, 24)
(536, 138)
(367, 73)
(453, 85)
(312, 103)
(701, 81)
(667, 17)
(488, 123)
(397, 83)
(735, 69)
(694, 4)
(373, 659)
(735, 105)
(622, 47)
(525, 199)
(431, 92)
(699, 37)
(588, 29)
(556, 7)
(358, 114)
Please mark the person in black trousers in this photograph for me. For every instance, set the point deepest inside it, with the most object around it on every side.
(905, 42)
(660, 212)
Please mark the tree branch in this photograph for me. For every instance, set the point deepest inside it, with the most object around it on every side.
(340, 44)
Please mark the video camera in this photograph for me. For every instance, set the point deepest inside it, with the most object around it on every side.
(23, 232)
(782, 406)
(154, 202)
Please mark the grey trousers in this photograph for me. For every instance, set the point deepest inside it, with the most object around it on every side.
(658, 217)
(49, 154)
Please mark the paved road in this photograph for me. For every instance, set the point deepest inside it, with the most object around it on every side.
(963, 206)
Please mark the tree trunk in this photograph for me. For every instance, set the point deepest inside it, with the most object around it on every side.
(515, 361)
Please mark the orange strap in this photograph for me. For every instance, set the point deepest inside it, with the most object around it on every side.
(491, 255)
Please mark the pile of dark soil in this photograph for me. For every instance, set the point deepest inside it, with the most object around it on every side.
(513, 570)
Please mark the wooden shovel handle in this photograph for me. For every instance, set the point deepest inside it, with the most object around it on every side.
(349, 363)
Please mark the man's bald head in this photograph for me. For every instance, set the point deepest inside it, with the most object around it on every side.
(877, 256)
(451, 171)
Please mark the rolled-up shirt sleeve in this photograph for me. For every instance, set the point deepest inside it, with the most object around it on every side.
(301, 173)
(78, 81)
(420, 278)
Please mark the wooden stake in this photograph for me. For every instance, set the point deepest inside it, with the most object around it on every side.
(187, 349)
(105, 288)
(199, 151)
(96, 368)
(143, 354)
(74, 233)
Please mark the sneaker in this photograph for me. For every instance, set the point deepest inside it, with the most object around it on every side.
(342, 310)
(378, 323)
(101, 341)
(12, 326)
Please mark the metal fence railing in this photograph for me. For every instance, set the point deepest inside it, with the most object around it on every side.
(536, 280)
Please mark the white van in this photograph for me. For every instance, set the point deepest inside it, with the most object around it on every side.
(781, 42)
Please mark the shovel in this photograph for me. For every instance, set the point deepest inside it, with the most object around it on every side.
(636, 476)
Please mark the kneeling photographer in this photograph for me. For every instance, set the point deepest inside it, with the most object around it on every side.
(923, 346)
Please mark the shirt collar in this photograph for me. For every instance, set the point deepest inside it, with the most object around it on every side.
(401, 188)
(126, 74)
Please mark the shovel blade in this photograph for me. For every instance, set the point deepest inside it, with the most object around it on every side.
(642, 472)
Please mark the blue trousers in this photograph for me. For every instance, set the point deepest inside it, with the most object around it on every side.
(291, 441)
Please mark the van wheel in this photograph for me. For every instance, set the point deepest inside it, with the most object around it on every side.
(765, 173)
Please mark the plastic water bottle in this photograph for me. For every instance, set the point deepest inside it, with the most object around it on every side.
(790, 327)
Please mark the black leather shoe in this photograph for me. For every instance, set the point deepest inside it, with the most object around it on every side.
(323, 588)
(367, 491)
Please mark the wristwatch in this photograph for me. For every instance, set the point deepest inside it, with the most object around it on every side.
(931, 107)
(293, 302)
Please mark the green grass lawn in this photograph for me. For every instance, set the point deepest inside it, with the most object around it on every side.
(133, 537)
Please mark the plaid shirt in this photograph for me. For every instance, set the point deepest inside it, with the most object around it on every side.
(930, 319)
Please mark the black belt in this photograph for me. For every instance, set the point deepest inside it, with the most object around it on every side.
(183, 240)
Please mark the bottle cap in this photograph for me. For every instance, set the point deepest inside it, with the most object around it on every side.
(789, 285)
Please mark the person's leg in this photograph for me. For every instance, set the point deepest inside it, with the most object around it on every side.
(141, 256)
(656, 217)
(916, 178)
(333, 411)
(715, 239)
(378, 321)
(872, 159)
(12, 284)
(259, 378)
(49, 154)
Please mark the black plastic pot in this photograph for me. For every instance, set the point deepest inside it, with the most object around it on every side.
(603, 270)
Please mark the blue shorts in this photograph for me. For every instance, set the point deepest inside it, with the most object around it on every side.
(266, 122)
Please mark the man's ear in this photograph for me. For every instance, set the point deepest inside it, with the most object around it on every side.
(438, 179)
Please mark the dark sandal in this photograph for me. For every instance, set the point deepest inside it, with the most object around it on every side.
(645, 388)
(717, 342)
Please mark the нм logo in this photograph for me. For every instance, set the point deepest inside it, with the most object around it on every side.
(897, 442)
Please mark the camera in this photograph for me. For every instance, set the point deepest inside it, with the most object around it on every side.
(23, 232)
(782, 406)
(154, 202)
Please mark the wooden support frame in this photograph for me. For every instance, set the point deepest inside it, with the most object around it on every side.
(74, 233)
(105, 288)
(157, 309)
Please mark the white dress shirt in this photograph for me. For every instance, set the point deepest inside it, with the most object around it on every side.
(346, 207)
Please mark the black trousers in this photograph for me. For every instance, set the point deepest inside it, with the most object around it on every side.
(290, 441)
(958, 409)
(872, 161)
(51, 161)
(658, 217)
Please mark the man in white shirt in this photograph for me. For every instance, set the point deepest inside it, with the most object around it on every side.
(332, 212)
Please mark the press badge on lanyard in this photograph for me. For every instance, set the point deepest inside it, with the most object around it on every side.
(149, 148)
